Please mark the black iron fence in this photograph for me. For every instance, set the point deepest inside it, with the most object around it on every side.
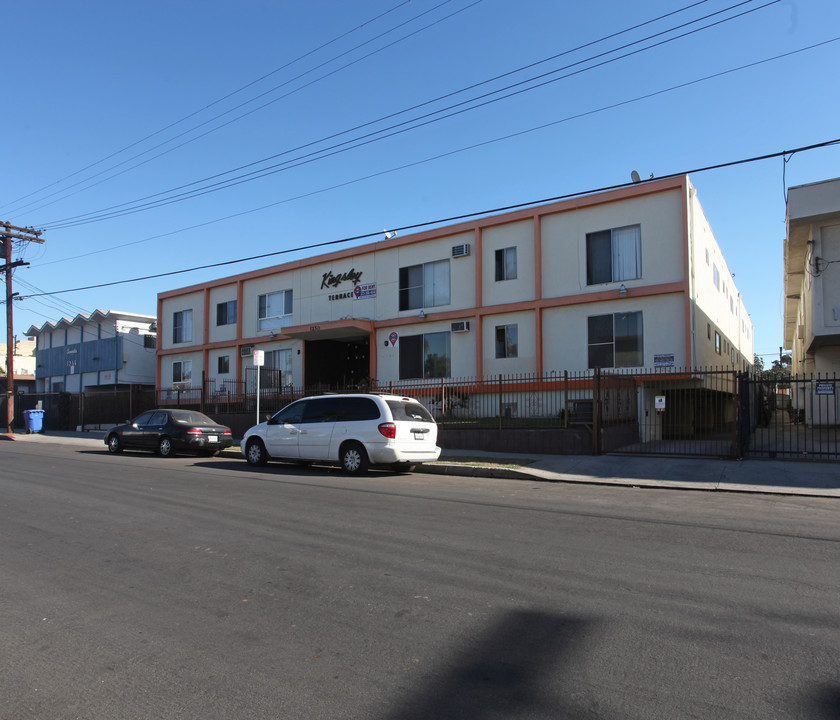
(668, 411)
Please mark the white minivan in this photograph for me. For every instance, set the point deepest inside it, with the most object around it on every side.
(356, 431)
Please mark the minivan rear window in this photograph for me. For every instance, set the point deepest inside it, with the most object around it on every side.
(402, 410)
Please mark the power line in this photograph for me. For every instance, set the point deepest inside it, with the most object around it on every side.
(250, 112)
(454, 152)
(212, 104)
(399, 128)
(453, 218)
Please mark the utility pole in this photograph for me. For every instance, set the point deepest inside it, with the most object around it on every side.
(8, 233)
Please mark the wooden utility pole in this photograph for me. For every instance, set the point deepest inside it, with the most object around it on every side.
(8, 233)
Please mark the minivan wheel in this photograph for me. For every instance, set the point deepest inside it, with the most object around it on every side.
(353, 458)
(165, 447)
(255, 453)
(114, 444)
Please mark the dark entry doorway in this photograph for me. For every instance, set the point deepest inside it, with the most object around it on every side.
(337, 364)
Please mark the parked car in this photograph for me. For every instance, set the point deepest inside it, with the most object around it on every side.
(356, 431)
(168, 432)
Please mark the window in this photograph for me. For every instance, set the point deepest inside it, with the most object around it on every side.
(708, 331)
(425, 356)
(717, 342)
(182, 326)
(150, 342)
(716, 276)
(277, 369)
(424, 285)
(507, 341)
(615, 340)
(224, 364)
(506, 264)
(226, 313)
(275, 310)
(614, 255)
(182, 371)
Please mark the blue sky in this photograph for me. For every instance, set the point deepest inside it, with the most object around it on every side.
(108, 104)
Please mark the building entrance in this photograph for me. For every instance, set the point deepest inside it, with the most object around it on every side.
(336, 364)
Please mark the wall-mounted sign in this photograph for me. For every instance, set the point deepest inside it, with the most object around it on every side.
(366, 290)
(330, 280)
(394, 339)
(825, 388)
(659, 402)
(663, 360)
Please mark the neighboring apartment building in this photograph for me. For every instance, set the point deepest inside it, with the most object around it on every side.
(24, 357)
(631, 278)
(101, 350)
(812, 293)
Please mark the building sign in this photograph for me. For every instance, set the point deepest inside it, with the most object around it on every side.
(394, 339)
(825, 388)
(329, 280)
(659, 402)
(367, 290)
(663, 360)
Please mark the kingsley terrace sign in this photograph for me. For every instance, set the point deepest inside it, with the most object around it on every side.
(330, 280)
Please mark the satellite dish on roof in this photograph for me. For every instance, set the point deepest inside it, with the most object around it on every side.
(634, 176)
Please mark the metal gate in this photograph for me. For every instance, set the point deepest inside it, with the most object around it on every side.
(796, 418)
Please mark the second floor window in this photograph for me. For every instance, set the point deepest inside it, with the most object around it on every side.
(506, 264)
(425, 285)
(182, 326)
(226, 313)
(275, 310)
(614, 255)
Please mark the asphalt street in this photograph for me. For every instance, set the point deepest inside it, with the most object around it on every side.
(134, 586)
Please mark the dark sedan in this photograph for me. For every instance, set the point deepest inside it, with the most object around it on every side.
(169, 431)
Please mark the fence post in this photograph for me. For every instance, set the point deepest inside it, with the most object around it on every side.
(500, 401)
(443, 397)
(596, 411)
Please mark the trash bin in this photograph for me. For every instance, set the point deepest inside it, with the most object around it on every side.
(34, 420)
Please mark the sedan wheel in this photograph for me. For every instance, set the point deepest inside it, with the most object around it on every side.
(114, 444)
(165, 447)
(354, 459)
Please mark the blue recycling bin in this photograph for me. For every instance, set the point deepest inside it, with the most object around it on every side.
(34, 420)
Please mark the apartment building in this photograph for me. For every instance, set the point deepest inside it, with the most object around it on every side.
(630, 278)
(103, 349)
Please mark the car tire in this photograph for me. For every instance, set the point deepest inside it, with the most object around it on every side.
(165, 448)
(402, 467)
(353, 458)
(114, 444)
(255, 453)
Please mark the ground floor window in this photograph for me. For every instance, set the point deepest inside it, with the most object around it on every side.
(615, 340)
(425, 356)
(277, 369)
(507, 341)
(182, 371)
(224, 364)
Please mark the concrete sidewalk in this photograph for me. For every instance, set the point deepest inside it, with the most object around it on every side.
(757, 476)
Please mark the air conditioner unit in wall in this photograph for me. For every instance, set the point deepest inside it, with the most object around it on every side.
(246, 351)
(461, 250)
(460, 326)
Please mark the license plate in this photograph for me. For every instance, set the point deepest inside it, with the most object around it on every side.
(212, 438)
(419, 436)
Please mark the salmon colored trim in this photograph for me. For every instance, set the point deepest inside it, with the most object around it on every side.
(479, 299)
(240, 314)
(206, 359)
(649, 187)
(690, 340)
(538, 340)
(158, 342)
